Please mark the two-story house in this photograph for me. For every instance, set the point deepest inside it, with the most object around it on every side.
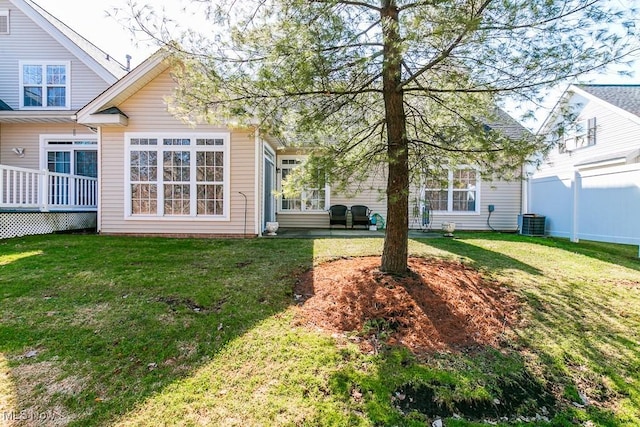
(588, 186)
(48, 163)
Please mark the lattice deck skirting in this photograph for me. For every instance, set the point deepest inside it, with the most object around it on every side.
(15, 224)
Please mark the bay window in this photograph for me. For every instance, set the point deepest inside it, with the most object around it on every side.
(173, 176)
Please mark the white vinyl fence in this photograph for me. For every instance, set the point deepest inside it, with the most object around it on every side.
(592, 204)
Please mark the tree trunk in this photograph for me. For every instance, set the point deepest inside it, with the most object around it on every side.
(396, 242)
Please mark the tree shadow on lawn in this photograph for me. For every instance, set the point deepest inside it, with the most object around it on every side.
(96, 324)
(623, 255)
(619, 254)
(481, 257)
(589, 343)
(581, 326)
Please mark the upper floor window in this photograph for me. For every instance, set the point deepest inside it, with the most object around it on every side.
(4, 21)
(44, 85)
(578, 135)
(453, 190)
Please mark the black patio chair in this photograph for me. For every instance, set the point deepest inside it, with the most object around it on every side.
(360, 215)
(338, 215)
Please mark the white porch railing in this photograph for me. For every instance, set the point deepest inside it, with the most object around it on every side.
(22, 188)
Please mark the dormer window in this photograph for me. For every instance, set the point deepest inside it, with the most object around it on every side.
(44, 85)
(4, 21)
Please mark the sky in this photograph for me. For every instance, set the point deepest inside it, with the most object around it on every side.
(89, 18)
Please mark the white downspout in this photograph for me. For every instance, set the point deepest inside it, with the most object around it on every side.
(99, 201)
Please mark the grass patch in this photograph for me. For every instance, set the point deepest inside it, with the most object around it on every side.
(99, 330)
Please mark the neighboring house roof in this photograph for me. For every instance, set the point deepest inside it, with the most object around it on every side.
(4, 106)
(511, 128)
(95, 58)
(626, 97)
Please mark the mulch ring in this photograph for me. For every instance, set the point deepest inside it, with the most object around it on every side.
(440, 306)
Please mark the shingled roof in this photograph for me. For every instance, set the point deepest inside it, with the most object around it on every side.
(626, 97)
(503, 122)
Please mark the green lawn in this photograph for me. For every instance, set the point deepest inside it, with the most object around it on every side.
(99, 330)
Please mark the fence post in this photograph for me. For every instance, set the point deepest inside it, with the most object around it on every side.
(2, 189)
(576, 186)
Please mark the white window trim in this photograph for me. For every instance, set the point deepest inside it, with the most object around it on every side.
(269, 154)
(303, 210)
(450, 191)
(44, 64)
(4, 13)
(226, 136)
(46, 139)
(582, 135)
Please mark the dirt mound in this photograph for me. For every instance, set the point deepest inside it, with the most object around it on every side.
(441, 306)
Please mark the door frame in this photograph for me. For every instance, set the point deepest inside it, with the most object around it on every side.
(79, 142)
(268, 212)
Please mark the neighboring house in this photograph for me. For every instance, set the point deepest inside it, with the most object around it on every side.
(588, 187)
(47, 73)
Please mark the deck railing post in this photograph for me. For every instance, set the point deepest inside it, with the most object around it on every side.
(2, 189)
(43, 192)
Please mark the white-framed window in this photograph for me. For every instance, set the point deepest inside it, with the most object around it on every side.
(579, 134)
(454, 190)
(177, 176)
(45, 84)
(310, 199)
(4, 21)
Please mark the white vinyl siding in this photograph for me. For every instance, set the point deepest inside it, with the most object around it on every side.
(592, 202)
(615, 133)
